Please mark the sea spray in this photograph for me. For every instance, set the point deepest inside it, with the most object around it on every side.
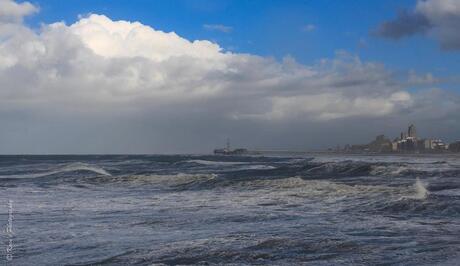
(420, 190)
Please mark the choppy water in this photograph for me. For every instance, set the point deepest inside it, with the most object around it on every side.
(144, 210)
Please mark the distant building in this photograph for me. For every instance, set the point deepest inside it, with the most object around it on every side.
(407, 144)
(439, 145)
(403, 135)
(427, 144)
(412, 132)
(455, 146)
(359, 148)
(380, 144)
(394, 146)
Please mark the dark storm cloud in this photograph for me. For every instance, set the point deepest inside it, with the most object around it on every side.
(405, 24)
(437, 18)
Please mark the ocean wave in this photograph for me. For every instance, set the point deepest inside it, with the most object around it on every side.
(454, 192)
(172, 181)
(426, 207)
(215, 163)
(314, 189)
(258, 167)
(74, 167)
(232, 166)
(211, 181)
(338, 169)
(419, 200)
(360, 169)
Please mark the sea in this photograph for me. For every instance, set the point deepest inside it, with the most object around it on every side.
(314, 209)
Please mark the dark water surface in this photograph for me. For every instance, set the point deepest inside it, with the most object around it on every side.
(149, 210)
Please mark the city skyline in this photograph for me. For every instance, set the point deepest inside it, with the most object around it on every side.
(406, 142)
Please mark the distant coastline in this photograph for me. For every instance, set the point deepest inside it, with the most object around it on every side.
(406, 143)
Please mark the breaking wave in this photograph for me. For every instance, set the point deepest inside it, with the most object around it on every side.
(74, 167)
(420, 191)
(179, 181)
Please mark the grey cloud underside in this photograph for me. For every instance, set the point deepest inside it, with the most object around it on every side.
(450, 34)
(435, 18)
(11, 11)
(405, 24)
(103, 86)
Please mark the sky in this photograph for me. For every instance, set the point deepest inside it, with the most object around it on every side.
(181, 76)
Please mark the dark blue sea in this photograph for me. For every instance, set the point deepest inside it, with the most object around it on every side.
(219, 210)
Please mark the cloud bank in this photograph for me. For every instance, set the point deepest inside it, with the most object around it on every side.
(105, 63)
(438, 18)
(122, 86)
